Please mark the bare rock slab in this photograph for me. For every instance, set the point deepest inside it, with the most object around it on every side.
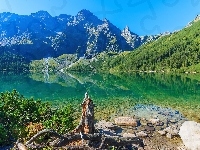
(126, 121)
(190, 135)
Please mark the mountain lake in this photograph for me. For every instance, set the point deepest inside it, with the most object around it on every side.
(112, 94)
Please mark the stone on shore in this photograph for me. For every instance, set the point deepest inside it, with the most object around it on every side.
(154, 121)
(169, 135)
(190, 134)
(103, 125)
(143, 121)
(141, 134)
(128, 135)
(162, 132)
(126, 121)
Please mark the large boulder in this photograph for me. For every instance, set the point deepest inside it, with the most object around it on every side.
(190, 135)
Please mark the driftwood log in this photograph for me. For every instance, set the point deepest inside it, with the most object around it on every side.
(84, 132)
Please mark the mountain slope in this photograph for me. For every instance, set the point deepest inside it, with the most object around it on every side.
(177, 51)
(40, 35)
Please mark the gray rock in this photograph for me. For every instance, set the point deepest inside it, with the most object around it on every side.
(162, 132)
(143, 121)
(169, 135)
(158, 128)
(126, 121)
(150, 128)
(172, 130)
(106, 125)
(160, 123)
(190, 135)
(128, 135)
(173, 120)
(154, 121)
(141, 134)
(141, 128)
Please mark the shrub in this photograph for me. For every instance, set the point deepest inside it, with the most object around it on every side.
(19, 115)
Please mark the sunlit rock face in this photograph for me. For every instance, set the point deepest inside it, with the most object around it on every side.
(39, 35)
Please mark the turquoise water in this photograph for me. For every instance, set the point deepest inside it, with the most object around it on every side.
(101, 86)
(112, 93)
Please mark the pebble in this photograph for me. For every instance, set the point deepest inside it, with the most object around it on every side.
(149, 124)
(162, 132)
(141, 128)
(159, 128)
(169, 135)
(141, 134)
(128, 135)
(173, 121)
(154, 121)
(160, 123)
(150, 128)
(143, 121)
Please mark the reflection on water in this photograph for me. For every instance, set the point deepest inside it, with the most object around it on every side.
(46, 70)
(106, 86)
(162, 89)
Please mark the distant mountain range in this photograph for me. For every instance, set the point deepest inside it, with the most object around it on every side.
(40, 35)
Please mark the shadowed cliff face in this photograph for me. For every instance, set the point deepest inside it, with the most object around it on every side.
(40, 35)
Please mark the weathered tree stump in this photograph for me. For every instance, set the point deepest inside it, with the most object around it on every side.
(86, 124)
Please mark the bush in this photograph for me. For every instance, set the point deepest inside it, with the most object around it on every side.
(17, 113)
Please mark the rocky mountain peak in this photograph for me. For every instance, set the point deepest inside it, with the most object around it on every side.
(126, 32)
(41, 14)
(85, 12)
(5, 16)
(197, 18)
(39, 34)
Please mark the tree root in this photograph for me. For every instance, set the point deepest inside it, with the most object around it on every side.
(94, 141)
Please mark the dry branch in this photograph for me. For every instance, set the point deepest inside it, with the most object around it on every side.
(53, 133)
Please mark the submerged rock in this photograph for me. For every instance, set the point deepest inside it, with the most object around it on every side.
(155, 114)
(190, 134)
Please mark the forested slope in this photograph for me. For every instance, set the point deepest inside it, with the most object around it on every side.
(177, 51)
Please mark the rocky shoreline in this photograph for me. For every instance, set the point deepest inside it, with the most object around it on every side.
(149, 128)
(158, 127)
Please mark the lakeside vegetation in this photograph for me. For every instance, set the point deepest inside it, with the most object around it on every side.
(21, 118)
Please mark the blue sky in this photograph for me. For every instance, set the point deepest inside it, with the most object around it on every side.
(143, 17)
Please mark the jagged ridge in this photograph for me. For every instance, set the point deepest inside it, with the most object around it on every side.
(39, 35)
